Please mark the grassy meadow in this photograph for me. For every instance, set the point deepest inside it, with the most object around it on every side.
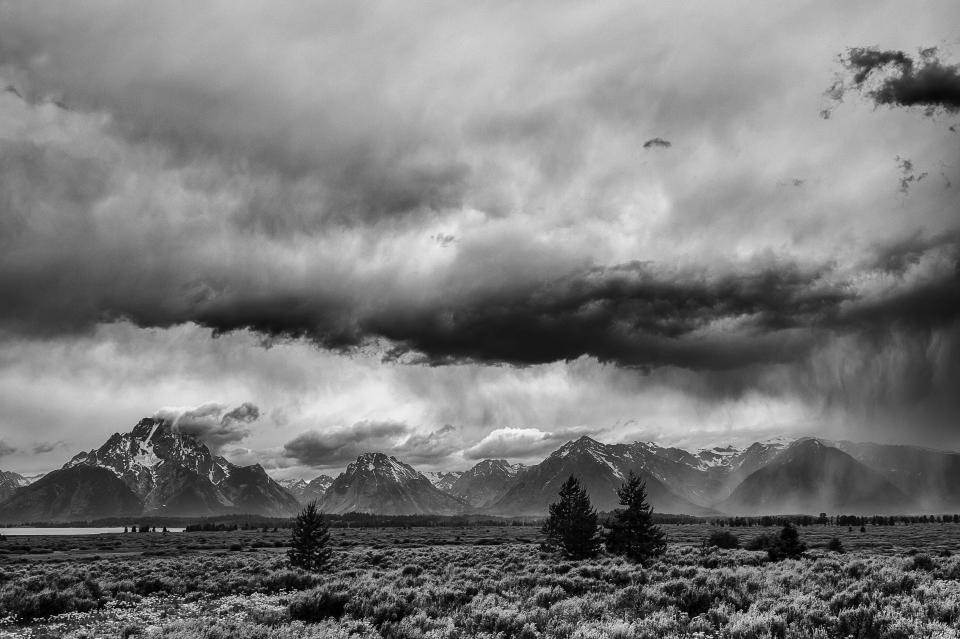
(893, 581)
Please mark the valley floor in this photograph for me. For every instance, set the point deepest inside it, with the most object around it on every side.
(899, 581)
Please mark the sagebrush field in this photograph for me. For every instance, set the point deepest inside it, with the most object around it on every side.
(892, 581)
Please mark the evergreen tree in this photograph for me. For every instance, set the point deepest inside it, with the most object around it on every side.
(572, 526)
(310, 542)
(632, 531)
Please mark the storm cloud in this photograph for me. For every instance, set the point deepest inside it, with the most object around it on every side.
(447, 230)
(894, 78)
(6, 449)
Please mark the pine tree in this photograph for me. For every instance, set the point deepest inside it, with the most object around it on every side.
(632, 531)
(310, 542)
(572, 526)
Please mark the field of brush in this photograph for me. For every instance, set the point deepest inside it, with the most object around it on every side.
(892, 581)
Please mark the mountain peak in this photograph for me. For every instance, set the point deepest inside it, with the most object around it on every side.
(383, 484)
(383, 466)
(581, 445)
(147, 427)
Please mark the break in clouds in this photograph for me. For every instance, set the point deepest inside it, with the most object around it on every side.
(473, 192)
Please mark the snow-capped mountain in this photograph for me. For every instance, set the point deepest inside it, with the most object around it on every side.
(376, 483)
(601, 468)
(175, 474)
(444, 480)
(306, 491)
(486, 482)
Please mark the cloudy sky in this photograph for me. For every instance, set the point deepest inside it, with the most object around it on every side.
(304, 230)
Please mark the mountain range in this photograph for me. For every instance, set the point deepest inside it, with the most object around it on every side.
(306, 491)
(156, 470)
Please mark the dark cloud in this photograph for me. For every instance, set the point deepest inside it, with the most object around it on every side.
(47, 447)
(931, 299)
(432, 448)
(908, 176)
(217, 425)
(337, 446)
(355, 167)
(6, 449)
(657, 143)
(629, 314)
(894, 78)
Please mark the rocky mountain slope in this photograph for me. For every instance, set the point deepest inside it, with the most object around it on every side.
(486, 482)
(306, 491)
(376, 483)
(931, 478)
(810, 477)
(78, 493)
(444, 480)
(9, 482)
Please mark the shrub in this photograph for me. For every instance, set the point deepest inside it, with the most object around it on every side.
(787, 545)
(28, 605)
(724, 539)
(329, 600)
(835, 545)
(762, 541)
(411, 571)
(922, 562)
(276, 581)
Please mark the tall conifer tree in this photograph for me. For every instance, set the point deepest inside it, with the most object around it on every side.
(572, 526)
(310, 542)
(632, 531)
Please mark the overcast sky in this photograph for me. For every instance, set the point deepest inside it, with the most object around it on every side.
(305, 230)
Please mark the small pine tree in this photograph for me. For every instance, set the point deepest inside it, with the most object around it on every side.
(573, 524)
(632, 531)
(310, 541)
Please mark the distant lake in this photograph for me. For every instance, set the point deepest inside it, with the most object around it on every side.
(23, 532)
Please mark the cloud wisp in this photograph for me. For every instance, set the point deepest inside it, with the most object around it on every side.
(215, 424)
